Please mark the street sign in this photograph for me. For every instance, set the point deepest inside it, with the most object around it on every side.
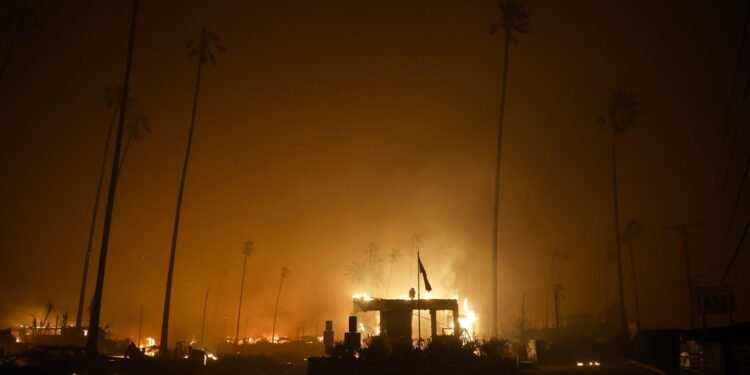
(714, 300)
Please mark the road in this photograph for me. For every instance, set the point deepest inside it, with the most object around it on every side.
(616, 367)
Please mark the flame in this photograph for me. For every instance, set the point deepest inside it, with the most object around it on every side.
(363, 297)
(467, 318)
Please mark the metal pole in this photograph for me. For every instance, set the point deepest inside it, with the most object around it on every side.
(419, 318)
(683, 229)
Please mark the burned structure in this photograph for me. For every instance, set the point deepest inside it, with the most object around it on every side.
(396, 314)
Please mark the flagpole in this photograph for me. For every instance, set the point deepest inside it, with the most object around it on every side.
(419, 313)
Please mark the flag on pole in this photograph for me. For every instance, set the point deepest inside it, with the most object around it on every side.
(424, 274)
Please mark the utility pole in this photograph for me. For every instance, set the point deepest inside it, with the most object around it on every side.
(523, 320)
(247, 249)
(683, 228)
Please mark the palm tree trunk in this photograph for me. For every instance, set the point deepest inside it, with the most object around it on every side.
(276, 310)
(164, 343)
(635, 286)
(621, 287)
(549, 290)
(9, 51)
(96, 304)
(496, 222)
(239, 309)
(203, 320)
(94, 214)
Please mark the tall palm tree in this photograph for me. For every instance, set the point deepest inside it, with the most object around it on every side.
(514, 19)
(623, 114)
(96, 303)
(633, 230)
(19, 17)
(202, 48)
(284, 274)
(112, 99)
(247, 250)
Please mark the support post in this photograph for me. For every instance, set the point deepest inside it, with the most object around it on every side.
(433, 323)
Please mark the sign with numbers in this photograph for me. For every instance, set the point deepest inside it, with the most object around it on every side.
(714, 300)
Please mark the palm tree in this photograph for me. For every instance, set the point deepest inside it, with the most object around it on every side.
(623, 114)
(21, 18)
(513, 19)
(202, 48)
(247, 250)
(559, 295)
(112, 98)
(284, 274)
(96, 303)
(136, 126)
(555, 255)
(633, 230)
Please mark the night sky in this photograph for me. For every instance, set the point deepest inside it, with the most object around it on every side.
(330, 125)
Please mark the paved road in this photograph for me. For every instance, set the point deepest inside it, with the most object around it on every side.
(617, 367)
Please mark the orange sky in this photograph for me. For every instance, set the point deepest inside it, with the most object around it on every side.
(331, 125)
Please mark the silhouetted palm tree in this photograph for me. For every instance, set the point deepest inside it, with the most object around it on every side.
(284, 274)
(555, 256)
(112, 98)
(513, 19)
(247, 250)
(633, 230)
(202, 48)
(559, 295)
(96, 303)
(20, 18)
(623, 114)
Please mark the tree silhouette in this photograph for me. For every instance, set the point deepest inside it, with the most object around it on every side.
(247, 250)
(559, 295)
(20, 18)
(633, 230)
(112, 99)
(623, 114)
(92, 339)
(284, 274)
(367, 275)
(555, 256)
(513, 20)
(202, 47)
